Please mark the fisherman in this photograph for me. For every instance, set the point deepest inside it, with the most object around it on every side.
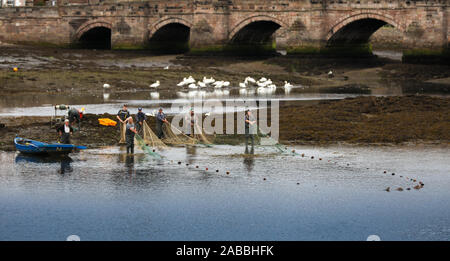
(190, 119)
(250, 125)
(140, 118)
(160, 120)
(123, 115)
(130, 132)
(64, 132)
(75, 115)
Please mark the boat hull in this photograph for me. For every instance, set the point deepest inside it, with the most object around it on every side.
(33, 147)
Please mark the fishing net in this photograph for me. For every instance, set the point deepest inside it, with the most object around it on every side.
(200, 136)
(266, 140)
(174, 136)
(141, 143)
(151, 139)
(123, 129)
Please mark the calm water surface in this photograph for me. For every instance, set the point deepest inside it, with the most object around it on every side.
(105, 195)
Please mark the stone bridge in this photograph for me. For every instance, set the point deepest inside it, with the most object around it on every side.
(212, 25)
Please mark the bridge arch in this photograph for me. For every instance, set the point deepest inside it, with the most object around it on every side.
(357, 28)
(255, 19)
(170, 35)
(94, 34)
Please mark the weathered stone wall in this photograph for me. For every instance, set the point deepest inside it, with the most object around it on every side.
(387, 37)
(213, 23)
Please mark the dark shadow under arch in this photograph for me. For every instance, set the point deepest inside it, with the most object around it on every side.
(356, 32)
(96, 38)
(255, 38)
(171, 38)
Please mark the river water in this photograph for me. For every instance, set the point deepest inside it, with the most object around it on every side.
(104, 195)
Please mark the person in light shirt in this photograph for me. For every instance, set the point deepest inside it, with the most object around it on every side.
(65, 131)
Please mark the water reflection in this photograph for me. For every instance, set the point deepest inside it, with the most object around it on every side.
(64, 160)
(249, 160)
(191, 153)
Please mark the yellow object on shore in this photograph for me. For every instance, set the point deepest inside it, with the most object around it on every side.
(15, 69)
(107, 122)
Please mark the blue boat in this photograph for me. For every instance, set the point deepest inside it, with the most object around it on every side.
(28, 146)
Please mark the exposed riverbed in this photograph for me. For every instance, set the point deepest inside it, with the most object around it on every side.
(345, 187)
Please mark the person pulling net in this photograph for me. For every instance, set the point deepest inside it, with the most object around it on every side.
(150, 138)
(193, 130)
(169, 134)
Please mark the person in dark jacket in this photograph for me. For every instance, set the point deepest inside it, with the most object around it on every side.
(160, 120)
(123, 115)
(64, 132)
(140, 118)
(250, 125)
(75, 115)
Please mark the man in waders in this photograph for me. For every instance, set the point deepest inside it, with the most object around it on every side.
(190, 120)
(75, 115)
(64, 132)
(123, 115)
(160, 120)
(140, 118)
(129, 134)
(250, 125)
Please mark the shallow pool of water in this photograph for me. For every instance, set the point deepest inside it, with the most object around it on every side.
(105, 195)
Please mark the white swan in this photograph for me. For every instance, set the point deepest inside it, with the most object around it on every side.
(190, 79)
(106, 86)
(242, 85)
(250, 79)
(287, 84)
(201, 84)
(226, 83)
(208, 81)
(155, 85)
(193, 86)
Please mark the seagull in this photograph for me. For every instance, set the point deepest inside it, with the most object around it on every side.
(106, 86)
(155, 85)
